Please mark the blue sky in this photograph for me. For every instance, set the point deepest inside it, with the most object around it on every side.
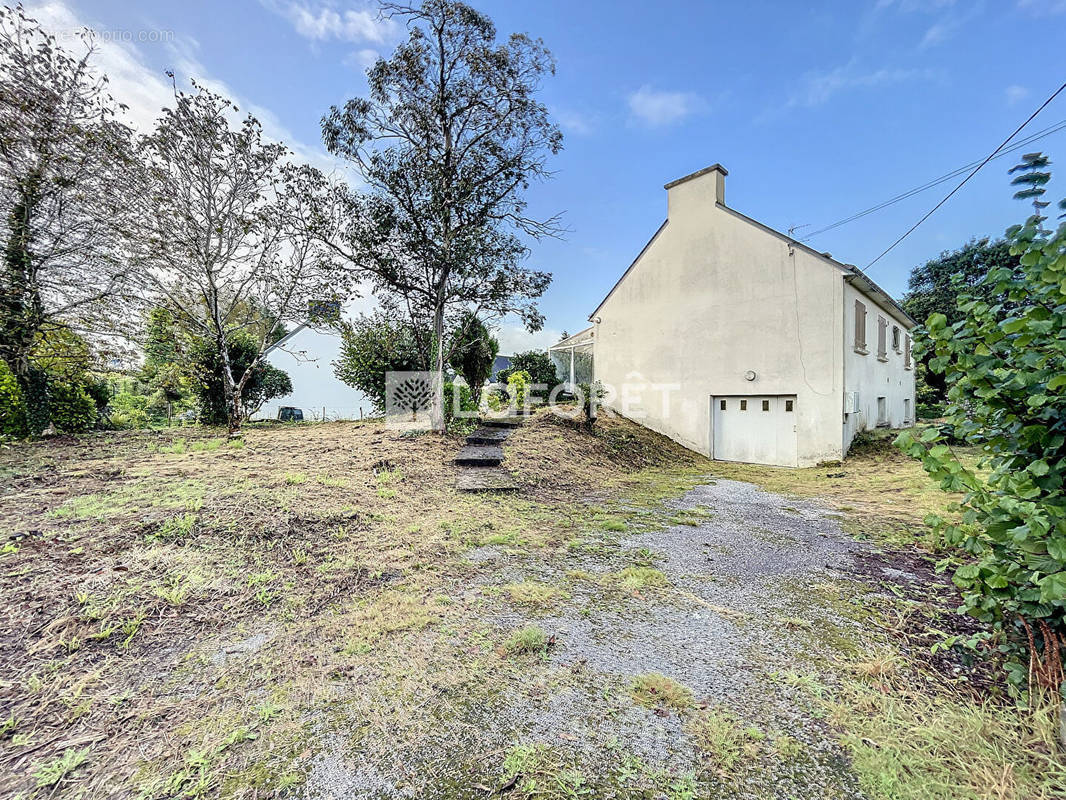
(818, 110)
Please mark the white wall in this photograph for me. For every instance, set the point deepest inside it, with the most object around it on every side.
(870, 376)
(712, 297)
(308, 357)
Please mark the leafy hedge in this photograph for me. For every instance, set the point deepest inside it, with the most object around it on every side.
(13, 422)
(71, 407)
(1005, 365)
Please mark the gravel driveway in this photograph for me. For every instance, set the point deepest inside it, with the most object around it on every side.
(762, 599)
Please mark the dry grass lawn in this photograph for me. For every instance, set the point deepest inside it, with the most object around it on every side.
(185, 617)
(143, 574)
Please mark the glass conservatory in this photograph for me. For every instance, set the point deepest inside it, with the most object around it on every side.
(572, 358)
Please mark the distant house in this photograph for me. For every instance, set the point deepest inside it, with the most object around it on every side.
(307, 355)
(501, 363)
(743, 344)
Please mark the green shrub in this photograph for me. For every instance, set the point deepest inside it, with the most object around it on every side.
(266, 382)
(592, 395)
(1005, 367)
(929, 410)
(466, 403)
(73, 409)
(129, 410)
(372, 346)
(518, 386)
(536, 364)
(13, 422)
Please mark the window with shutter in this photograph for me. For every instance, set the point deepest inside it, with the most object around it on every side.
(895, 338)
(860, 327)
(882, 339)
(907, 352)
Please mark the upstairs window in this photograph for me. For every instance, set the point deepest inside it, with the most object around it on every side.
(882, 339)
(906, 352)
(896, 339)
(860, 327)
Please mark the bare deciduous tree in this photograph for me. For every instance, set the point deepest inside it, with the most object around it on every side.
(65, 174)
(233, 231)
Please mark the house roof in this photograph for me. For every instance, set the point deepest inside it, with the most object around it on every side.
(698, 173)
(851, 273)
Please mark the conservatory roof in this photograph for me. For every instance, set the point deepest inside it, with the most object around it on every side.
(577, 340)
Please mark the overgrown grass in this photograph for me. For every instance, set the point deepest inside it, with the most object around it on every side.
(348, 593)
(535, 594)
(635, 578)
(530, 640)
(884, 494)
(722, 740)
(538, 771)
(907, 743)
(653, 689)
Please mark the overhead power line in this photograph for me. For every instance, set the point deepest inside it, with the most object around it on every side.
(1058, 126)
(965, 180)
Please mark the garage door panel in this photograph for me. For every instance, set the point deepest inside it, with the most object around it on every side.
(755, 429)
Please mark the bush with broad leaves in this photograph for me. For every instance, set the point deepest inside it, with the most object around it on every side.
(1005, 366)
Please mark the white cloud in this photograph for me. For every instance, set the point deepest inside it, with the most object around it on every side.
(817, 88)
(657, 108)
(324, 21)
(147, 90)
(516, 339)
(936, 34)
(144, 90)
(573, 121)
(1015, 94)
(362, 59)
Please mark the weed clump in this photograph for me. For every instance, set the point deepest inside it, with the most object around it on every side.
(641, 578)
(655, 690)
(722, 740)
(175, 529)
(534, 593)
(530, 640)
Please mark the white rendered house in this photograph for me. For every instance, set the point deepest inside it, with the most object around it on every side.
(740, 343)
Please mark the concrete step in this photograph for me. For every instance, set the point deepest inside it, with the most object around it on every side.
(487, 435)
(503, 422)
(485, 479)
(485, 455)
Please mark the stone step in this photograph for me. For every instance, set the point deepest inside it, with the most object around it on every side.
(487, 435)
(485, 479)
(487, 455)
(503, 422)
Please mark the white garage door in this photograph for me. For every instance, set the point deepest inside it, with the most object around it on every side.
(755, 429)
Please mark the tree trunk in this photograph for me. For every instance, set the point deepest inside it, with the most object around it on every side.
(230, 390)
(22, 310)
(436, 413)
